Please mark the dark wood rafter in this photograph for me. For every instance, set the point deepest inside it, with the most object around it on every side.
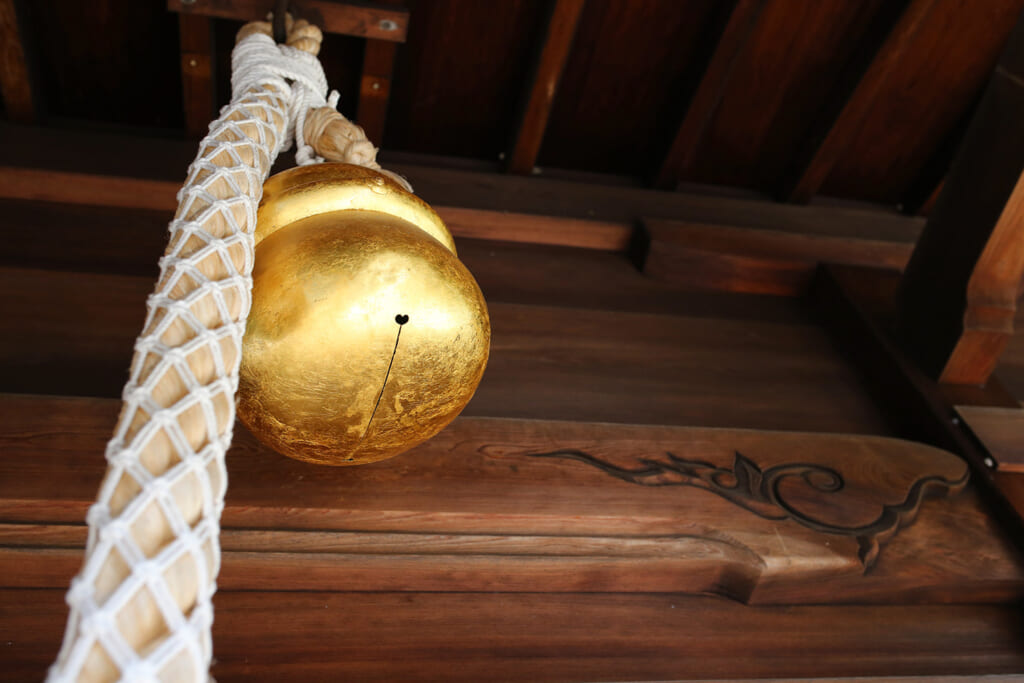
(375, 88)
(543, 85)
(958, 298)
(364, 20)
(197, 72)
(836, 136)
(708, 95)
(15, 84)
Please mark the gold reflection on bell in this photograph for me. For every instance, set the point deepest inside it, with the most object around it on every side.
(367, 335)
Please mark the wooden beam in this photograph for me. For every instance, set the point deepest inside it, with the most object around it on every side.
(736, 259)
(15, 84)
(958, 298)
(269, 636)
(196, 37)
(554, 52)
(709, 93)
(48, 165)
(852, 303)
(364, 20)
(375, 88)
(827, 148)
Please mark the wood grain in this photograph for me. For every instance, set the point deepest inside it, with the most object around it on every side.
(706, 99)
(543, 85)
(795, 53)
(198, 90)
(365, 20)
(15, 84)
(835, 143)
(937, 80)
(73, 333)
(632, 70)
(958, 299)
(575, 637)
(435, 520)
(106, 154)
(726, 258)
(375, 88)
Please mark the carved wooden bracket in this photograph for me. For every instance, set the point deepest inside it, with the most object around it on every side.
(526, 506)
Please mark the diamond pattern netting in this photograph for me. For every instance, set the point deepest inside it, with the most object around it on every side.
(141, 606)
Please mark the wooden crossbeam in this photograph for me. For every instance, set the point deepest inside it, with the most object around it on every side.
(196, 38)
(958, 298)
(708, 96)
(554, 52)
(15, 84)
(829, 146)
(364, 20)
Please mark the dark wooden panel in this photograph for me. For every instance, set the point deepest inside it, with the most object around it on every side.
(632, 69)
(110, 62)
(1011, 364)
(778, 85)
(73, 333)
(15, 83)
(365, 20)
(459, 76)
(267, 636)
(944, 65)
(540, 95)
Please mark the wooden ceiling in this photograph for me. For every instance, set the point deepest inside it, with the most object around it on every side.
(792, 99)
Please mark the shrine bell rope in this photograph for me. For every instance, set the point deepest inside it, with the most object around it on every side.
(141, 605)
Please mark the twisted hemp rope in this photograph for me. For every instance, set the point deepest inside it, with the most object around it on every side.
(141, 605)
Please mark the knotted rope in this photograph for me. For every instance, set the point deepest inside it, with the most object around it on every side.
(141, 605)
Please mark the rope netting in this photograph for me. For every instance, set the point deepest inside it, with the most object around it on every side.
(140, 608)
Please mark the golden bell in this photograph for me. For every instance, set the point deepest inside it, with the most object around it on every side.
(367, 335)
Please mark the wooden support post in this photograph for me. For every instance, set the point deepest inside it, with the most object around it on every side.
(709, 94)
(197, 83)
(958, 297)
(15, 85)
(375, 88)
(554, 52)
(834, 140)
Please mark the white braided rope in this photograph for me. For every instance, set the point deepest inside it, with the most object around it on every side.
(141, 606)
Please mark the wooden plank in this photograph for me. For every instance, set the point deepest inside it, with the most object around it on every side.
(851, 302)
(841, 132)
(582, 507)
(706, 99)
(940, 76)
(15, 84)
(601, 280)
(543, 84)
(375, 88)
(197, 84)
(364, 20)
(72, 333)
(159, 195)
(727, 258)
(1001, 430)
(775, 91)
(570, 638)
(99, 154)
(958, 299)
